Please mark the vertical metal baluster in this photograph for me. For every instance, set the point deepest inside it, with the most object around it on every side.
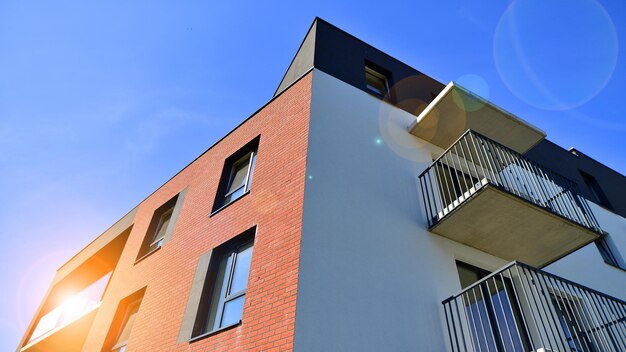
(456, 305)
(546, 306)
(585, 311)
(481, 155)
(583, 317)
(558, 289)
(495, 315)
(539, 304)
(469, 171)
(449, 161)
(434, 184)
(506, 323)
(537, 182)
(596, 318)
(513, 315)
(560, 335)
(445, 312)
(498, 180)
(620, 326)
(480, 319)
(501, 166)
(468, 306)
(521, 310)
(469, 150)
(424, 196)
(531, 306)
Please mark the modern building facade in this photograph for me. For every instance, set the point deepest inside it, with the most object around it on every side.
(365, 207)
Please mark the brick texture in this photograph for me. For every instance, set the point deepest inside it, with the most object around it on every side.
(274, 204)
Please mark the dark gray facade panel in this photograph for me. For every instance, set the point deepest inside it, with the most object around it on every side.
(302, 62)
(571, 163)
(195, 296)
(343, 56)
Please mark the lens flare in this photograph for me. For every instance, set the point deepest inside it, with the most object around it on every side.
(552, 56)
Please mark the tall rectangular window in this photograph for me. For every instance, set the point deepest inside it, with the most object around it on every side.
(127, 325)
(123, 321)
(240, 177)
(237, 175)
(226, 285)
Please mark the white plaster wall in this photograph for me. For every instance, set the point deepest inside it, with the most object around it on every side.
(371, 277)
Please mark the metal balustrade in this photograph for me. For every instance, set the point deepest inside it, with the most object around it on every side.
(475, 161)
(521, 308)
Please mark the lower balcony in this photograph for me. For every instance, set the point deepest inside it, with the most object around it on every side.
(520, 308)
(487, 196)
(66, 326)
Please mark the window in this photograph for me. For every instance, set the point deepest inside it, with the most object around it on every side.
(596, 191)
(226, 284)
(162, 225)
(127, 325)
(492, 301)
(123, 321)
(609, 255)
(375, 81)
(159, 234)
(237, 175)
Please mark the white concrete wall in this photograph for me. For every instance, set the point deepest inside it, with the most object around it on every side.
(371, 276)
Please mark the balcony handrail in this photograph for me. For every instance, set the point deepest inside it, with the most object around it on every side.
(471, 131)
(481, 160)
(522, 308)
(531, 268)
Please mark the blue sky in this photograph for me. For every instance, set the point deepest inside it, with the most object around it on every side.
(101, 103)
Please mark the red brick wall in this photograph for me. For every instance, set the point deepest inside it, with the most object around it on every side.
(274, 204)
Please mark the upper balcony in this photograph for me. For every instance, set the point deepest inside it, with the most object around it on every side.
(520, 308)
(456, 110)
(490, 197)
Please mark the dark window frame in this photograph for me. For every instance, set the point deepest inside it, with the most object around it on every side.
(381, 73)
(201, 326)
(152, 242)
(120, 319)
(609, 253)
(485, 292)
(596, 190)
(228, 174)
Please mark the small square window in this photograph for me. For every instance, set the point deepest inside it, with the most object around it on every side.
(226, 284)
(237, 175)
(376, 82)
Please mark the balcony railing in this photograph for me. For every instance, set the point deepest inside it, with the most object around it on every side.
(520, 308)
(72, 308)
(475, 161)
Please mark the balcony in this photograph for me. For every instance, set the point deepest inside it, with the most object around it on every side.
(487, 196)
(520, 308)
(66, 326)
(456, 109)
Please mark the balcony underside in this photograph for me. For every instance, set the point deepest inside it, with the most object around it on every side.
(506, 226)
(67, 338)
(455, 110)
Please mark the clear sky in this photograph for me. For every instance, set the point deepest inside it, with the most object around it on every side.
(101, 103)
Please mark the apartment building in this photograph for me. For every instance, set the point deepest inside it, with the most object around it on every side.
(365, 207)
